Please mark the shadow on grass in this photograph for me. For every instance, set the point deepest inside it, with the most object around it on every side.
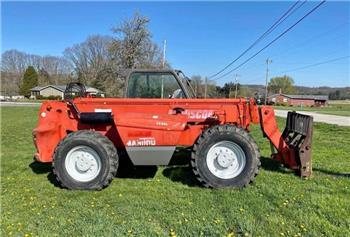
(40, 168)
(44, 168)
(332, 173)
(130, 172)
(181, 174)
(179, 169)
(127, 170)
(136, 172)
(273, 165)
(181, 157)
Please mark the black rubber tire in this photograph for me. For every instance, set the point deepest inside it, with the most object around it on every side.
(104, 148)
(225, 133)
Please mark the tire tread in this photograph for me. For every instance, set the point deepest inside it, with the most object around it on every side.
(99, 138)
(223, 129)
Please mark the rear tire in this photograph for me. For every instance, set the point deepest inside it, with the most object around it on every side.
(225, 156)
(85, 160)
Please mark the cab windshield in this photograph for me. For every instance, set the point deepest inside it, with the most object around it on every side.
(154, 85)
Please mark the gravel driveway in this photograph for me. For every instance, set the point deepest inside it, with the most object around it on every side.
(324, 118)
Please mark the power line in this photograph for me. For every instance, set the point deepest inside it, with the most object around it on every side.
(311, 40)
(274, 26)
(273, 41)
(315, 64)
(304, 67)
(302, 44)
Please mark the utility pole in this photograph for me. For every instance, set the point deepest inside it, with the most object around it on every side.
(268, 61)
(163, 64)
(164, 51)
(205, 87)
(236, 79)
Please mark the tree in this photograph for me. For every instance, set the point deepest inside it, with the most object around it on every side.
(30, 80)
(244, 91)
(43, 77)
(228, 90)
(197, 85)
(14, 63)
(283, 84)
(132, 45)
(90, 57)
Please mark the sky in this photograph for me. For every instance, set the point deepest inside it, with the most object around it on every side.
(202, 37)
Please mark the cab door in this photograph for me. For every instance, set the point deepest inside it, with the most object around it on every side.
(149, 132)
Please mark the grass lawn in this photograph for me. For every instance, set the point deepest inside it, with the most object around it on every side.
(334, 109)
(171, 202)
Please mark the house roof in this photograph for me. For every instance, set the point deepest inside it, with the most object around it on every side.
(303, 97)
(37, 88)
(62, 88)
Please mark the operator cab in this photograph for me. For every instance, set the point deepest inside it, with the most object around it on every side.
(158, 84)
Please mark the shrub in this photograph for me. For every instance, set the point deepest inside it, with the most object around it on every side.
(51, 97)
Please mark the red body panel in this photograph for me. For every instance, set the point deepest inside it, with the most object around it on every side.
(141, 122)
(270, 128)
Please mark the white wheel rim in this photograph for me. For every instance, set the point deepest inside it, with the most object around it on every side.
(226, 160)
(83, 163)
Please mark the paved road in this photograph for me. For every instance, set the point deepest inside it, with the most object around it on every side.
(30, 104)
(324, 118)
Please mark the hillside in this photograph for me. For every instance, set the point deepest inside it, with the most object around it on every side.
(332, 92)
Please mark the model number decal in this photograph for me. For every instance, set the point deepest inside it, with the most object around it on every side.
(142, 141)
(198, 114)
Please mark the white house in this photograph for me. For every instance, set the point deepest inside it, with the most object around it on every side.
(58, 90)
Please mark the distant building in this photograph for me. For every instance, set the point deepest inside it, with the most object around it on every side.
(9, 98)
(58, 90)
(298, 100)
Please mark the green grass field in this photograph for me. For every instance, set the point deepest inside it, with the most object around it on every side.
(334, 109)
(171, 203)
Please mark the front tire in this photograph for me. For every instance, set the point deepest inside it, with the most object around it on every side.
(85, 160)
(225, 156)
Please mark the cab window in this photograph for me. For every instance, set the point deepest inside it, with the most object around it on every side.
(154, 85)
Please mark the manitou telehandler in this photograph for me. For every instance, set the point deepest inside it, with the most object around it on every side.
(85, 138)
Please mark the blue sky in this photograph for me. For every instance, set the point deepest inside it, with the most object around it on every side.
(202, 37)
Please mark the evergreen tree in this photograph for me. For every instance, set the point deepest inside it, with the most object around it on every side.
(30, 80)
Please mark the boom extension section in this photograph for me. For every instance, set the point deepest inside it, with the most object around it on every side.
(294, 144)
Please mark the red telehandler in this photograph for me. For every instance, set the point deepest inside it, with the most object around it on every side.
(85, 138)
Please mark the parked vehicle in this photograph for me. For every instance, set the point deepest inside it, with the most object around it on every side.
(85, 138)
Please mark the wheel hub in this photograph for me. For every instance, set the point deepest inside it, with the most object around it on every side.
(83, 164)
(225, 159)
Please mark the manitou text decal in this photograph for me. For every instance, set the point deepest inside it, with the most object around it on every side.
(142, 141)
